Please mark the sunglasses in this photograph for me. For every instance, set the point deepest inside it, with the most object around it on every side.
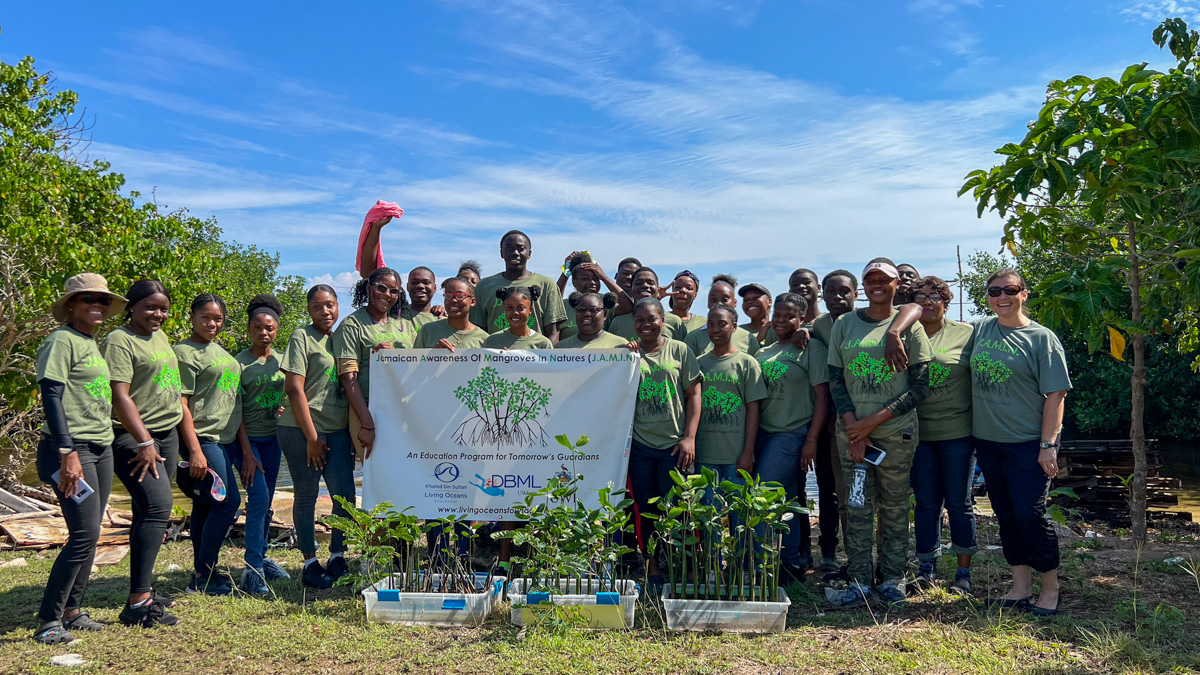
(385, 290)
(218, 487)
(932, 297)
(102, 300)
(457, 296)
(995, 291)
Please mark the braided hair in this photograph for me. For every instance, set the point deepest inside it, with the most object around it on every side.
(795, 300)
(207, 299)
(362, 291)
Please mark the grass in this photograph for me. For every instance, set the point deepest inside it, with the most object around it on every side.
(325, 632)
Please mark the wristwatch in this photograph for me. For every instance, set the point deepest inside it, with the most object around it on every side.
(1048, 444)
(63, 452)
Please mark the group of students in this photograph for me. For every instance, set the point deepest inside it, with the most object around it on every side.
(877, 400)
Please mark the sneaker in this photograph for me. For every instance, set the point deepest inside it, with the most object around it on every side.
(828, 564)
(273, 570)
(961, 585)
(53, 633)
(925, 576)
(254, 582)
(82, 621)
(855, 595)
(147, 615)
(212, 585)
(336, 567)
(314, 576)
(792, 574)
(893, 594)
(161, 599)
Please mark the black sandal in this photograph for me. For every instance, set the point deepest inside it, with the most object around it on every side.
(53, 633)
(1040, 611)
(82, 621)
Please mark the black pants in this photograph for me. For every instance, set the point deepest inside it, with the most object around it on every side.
(73, 566)
(151, 502)
(827, 498)
(1017, 488)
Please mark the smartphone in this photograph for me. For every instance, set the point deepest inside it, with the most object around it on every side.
(875, 455)
(82, 489)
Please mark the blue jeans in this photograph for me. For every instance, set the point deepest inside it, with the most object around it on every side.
(941, 476)
(259, 495)
(777, 459)
(1017, 488)
(649, 477)
(339, 478)
(211, 519)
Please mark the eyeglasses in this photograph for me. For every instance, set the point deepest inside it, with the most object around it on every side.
(932, 297)
(218, 487)
(589, 310)
(995, 291)
(102, 300)
(380, 288)
(457, 296)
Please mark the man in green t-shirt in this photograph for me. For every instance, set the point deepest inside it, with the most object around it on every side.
(547, 311)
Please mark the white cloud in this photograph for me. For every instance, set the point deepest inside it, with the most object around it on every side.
(343, 283)
(1156, 11)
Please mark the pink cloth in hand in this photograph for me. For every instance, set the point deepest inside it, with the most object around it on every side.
(381, 209)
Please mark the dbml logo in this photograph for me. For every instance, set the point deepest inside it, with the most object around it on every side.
(445, 472)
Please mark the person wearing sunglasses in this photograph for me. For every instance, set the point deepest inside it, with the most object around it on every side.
(75, 450)
(877, 405)
(722, 293)
(312, 431)
(684, 289)
(150, 419)
(379, 319)
(589, 309)
(421, 285)
(944, 463)
(262, 400)
(455, 331)
(1019, 381)
(547, 312)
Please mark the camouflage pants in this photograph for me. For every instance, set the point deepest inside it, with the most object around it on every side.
(886, 491)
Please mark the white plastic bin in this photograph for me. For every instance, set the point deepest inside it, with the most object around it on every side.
(433, 609)
(602, 608)
(727, 616)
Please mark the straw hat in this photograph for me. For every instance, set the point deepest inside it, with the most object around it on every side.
(86, 283)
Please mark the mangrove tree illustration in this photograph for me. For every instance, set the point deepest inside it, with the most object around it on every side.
(938, 374)
(773, 372)
(655, 396)
(871, 373)
(989, 374)
(503, 412)
(719, 407)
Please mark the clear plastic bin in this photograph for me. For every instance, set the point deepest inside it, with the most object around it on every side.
(608, 607)
(727, 616)
(433, 609)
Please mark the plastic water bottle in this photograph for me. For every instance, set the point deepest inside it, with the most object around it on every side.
(858, 491)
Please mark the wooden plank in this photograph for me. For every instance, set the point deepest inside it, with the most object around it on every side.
(17, 504)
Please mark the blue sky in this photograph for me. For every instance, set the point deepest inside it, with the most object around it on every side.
(719, 136)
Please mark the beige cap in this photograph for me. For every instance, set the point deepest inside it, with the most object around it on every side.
(87, 282)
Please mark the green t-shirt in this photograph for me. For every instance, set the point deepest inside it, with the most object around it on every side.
(731, 382)
(946, 413)
(73, 359)
(568, 328)
(429, 335)
(488, 312)
(770, 338)
(417, 319)
(790, 375)
(605, 340)
(262, 392)
(211, 379)
(858, 349)
(1012, 370)
(358, 334)
(622, 325)
(695, 323)
(743, 341)
(822, 328)
(149, 365)
(308, 355)
(658, 418)
(507, 340)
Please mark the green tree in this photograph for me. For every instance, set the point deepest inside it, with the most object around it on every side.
(1109, 174)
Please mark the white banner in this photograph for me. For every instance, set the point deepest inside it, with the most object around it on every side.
(471, 433)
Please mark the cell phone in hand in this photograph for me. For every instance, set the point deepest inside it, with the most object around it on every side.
(875, 455)
(82, 489)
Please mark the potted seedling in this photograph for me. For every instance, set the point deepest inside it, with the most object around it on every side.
(414, 572)
(719, 543)
(571, 553)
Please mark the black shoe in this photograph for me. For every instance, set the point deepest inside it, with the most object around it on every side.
(82, 621)
(1038, 611)
(148, 615)
(214, 584)
(1019, 603)
(336, 567)
(314, 576)
(165, 601)
(792, 574)
(53, 633)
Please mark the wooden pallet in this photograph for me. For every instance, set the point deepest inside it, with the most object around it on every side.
(1097, 469)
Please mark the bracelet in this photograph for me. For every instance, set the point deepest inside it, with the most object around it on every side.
(146, 444)
(367, 428)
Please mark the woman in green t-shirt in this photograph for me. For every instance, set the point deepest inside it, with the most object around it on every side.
(76, 446)
(150, 421)
(209, 381)
(1019, 381)
(262, 401)
(589, 309)
(722, 293)
(455, 331)
(645, 285)
(792, 419)
(684, 289)
(665, 418)
(312, 434)
(517, 302)
(944, 463)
